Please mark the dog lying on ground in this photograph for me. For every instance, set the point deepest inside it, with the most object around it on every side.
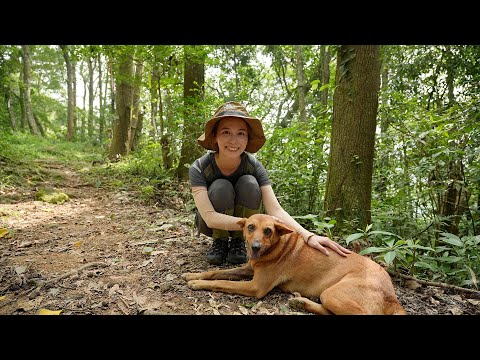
(279, 257)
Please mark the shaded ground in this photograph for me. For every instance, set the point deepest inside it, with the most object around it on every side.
(106, 252)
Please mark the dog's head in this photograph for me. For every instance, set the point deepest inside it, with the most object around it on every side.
(261, 232)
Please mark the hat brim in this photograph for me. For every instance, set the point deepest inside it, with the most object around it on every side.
(256, 136)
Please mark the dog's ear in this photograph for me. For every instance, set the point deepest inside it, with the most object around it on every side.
(242, 222)
(283, 228)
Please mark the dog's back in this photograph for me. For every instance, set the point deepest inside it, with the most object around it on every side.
(353, 284)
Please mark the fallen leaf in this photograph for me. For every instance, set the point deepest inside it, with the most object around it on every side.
(25, 244)
(243, 310)
(216, 312)
(473, 301)
(3, 232)
(456, 311)
(170, 277)
(115, 289)
(147, 250)
(20, 269)
(2, 297)
(48, 312)
(433, 301)
(412, 284)
(145, 263)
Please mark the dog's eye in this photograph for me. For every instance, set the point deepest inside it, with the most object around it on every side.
(267, 231)
(251, 228)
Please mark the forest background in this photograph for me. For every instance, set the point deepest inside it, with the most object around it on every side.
(373, 145)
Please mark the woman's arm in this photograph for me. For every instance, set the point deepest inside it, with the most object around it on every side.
(213, 219)
(273, 207)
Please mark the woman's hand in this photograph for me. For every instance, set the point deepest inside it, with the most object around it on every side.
(320, 242)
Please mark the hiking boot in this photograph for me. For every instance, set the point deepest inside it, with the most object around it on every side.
(218, 252)
(237, 253)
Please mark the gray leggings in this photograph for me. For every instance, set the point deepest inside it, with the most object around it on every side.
(242, 200)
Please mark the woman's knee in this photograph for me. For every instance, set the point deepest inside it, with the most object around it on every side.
(222, 195)
(248, 192)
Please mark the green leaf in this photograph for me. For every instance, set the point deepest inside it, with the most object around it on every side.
(383, 233)
(450, 259)
(389, 257)
(372, 249)
(425, 265)
(451, 239)
(421, 247)
(323, 87)
(352, 237)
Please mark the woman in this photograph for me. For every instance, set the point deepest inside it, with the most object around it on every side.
(228, 184)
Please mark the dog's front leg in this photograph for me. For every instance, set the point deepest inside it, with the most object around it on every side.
(238, 273)
(258, 287)
(246, 288)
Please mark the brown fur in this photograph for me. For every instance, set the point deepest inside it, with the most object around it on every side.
(278, 257)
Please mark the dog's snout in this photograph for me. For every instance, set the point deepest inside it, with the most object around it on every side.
(256, 245)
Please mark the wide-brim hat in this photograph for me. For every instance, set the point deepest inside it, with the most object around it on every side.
(256, 137)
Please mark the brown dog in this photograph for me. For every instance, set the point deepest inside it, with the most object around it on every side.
(278, 257)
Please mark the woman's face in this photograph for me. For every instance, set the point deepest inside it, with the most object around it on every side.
(232, 136)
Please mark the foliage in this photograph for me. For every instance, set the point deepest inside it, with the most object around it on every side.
(319, 226)
(22, 154)
(453, 260)
(141, 170)
(295, 160)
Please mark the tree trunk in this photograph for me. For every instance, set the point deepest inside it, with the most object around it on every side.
(91, 68)
(124, 100)
(325, 79)
(101, 120)
(23, 110)
(74, 96)
(349, 180)
(11, 112)
(84, 102)
(154, 100)
(28, 89)
(38, 124)
(301, 88)
(136, 123)
(193, 93)
(70, 93)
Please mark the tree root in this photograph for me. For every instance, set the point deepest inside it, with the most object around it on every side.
(35, 292)
(437, 284)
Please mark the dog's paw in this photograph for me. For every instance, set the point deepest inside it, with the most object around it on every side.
(186, 276)
(296, 302)
(191, 276)
(195, 284)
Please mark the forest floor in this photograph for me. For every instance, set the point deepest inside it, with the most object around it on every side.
(107, 252)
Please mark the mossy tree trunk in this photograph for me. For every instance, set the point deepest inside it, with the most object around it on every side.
(355, 104)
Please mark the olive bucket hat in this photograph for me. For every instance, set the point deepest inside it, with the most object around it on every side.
(256, 137)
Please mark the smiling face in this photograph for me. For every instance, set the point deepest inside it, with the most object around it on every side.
(231, 136)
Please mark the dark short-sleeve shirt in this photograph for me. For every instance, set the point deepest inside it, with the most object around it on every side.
(198, 177)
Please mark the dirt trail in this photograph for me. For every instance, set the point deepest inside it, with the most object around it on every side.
(91, 255)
